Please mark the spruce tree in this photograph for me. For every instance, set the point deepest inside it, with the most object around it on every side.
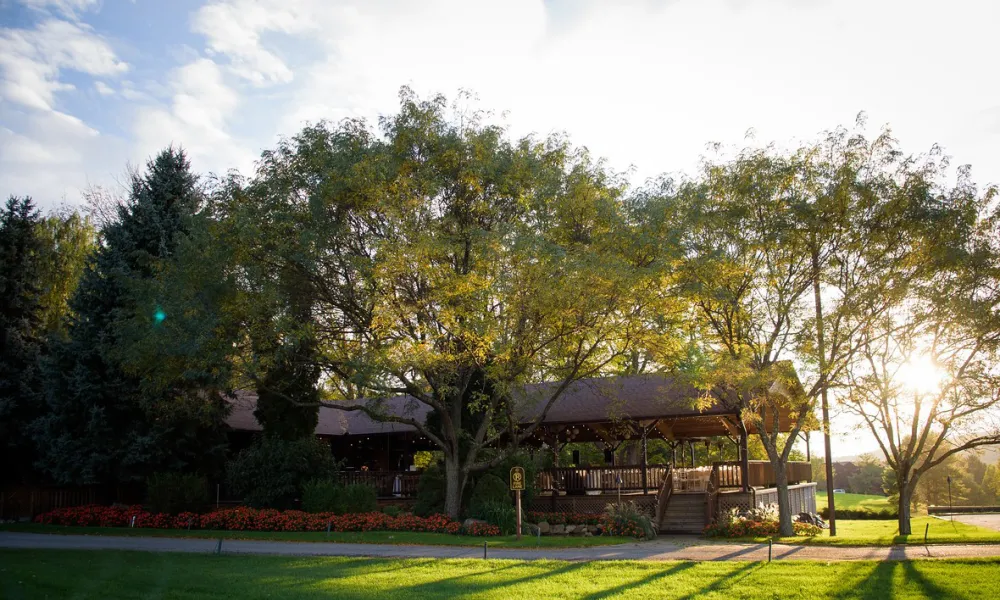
(20, 333)
(103, 425)
(287, 393)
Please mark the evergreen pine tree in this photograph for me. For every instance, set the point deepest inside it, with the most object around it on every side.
(20, 333)
(103, 426)
(287, 396)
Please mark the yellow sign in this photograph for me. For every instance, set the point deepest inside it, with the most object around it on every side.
(517, 478)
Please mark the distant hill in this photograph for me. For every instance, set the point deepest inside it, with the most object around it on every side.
(988, 454)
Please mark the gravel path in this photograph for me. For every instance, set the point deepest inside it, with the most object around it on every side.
(655, 550)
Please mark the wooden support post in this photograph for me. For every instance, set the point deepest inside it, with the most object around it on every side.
(518, 493)
(744, 458)
(645, 483)
(691, 449)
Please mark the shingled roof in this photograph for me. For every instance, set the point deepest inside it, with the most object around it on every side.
(599, 400)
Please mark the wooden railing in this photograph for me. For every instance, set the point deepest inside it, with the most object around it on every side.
(387, 484)
(663, 497)
(761, 473)
(580, 480)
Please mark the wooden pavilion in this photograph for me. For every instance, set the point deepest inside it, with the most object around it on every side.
(605, 411)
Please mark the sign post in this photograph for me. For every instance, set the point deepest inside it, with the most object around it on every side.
(517, 485)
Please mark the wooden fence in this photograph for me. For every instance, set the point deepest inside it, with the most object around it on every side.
(580, 480)
(387, 484)
(25, 501)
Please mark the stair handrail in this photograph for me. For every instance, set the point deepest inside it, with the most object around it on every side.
(663, 496)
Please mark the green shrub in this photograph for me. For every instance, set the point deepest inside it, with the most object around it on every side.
(489, 489)
(392, 511)
(430, 492)
(852, 514)
(272, 472)
(501, 514)
(626, 519)
(176, 492)
(323, 495)
(360, 498)
(530, 465)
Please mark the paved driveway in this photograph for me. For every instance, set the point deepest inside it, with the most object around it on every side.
(655, 550)
(990, 521)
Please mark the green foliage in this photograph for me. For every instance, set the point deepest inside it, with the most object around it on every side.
(360, 498)
(68, 239)
(392, 511)
(105, 421)
(323, 495)
(868, 477)
(530, 464)
(21, 345)
(489, 241)
(273, 472)
(489, 489)
(176, 492)
(854, 514)
(499, 513)
(627, 519)
(287, 385)
(430, 492)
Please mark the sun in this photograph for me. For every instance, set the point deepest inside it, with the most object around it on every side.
(921, 374)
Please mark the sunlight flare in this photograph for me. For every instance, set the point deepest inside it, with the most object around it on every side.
(921, 374)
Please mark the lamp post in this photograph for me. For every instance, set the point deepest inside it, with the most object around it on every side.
(951, 507)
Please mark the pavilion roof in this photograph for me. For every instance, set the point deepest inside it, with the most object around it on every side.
(674, 407)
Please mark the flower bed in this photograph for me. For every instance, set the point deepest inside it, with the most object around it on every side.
(745, 528)
(251, 519)
(482, 529)
(564, 518)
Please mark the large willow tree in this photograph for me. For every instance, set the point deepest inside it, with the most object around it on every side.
(445, 263)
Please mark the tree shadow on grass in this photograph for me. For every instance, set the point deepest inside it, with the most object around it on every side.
(928, 587)
(293, 577)
(454, 586)
(727, 580)
(615, 591)
(875, 585)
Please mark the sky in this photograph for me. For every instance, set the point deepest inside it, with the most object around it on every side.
(89, 86)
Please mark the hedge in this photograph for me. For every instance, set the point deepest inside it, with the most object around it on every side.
(851, 514)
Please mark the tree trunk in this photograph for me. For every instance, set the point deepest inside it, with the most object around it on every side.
(785, 526)
(905, 498)
(454, 485)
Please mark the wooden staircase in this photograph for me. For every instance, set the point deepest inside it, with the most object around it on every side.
(685, 513)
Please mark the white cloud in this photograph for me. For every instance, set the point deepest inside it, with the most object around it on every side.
(234, 28)
(67, 8)
(45, 150)
(52, 156)
(200, 107)
(103, 88)
(31, 61)
(647, 83)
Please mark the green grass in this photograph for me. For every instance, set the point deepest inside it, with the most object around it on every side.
(371, 537)
(886, 533)
(114, 575)
(854, 501)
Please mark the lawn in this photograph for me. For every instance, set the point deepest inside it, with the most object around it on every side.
(371, 537)
(853, 501)
(885, 533)
(114, 575)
